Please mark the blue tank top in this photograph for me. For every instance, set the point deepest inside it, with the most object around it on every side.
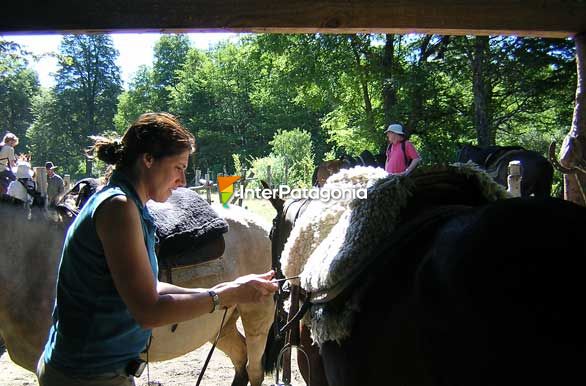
(93, 331)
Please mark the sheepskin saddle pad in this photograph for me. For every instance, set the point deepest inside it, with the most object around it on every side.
(188, 229)
(332, 240)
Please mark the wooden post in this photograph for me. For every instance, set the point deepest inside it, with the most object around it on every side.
(514, 178)
(208, 188)
(41, 180)
(286, 172)
(243, 184)
(269, 177)
(197, 177)
(218, 185)
(67, 181)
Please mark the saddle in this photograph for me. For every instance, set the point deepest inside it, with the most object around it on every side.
(189, 231)
(399, 213)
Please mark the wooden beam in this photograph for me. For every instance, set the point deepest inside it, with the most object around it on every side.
(543, 18)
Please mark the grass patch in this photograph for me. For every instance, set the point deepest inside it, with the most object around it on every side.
(262, 208)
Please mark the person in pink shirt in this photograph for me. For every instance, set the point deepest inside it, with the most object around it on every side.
(402, 157)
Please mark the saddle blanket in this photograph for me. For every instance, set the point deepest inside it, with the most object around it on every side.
(184, 222)
(331, 239)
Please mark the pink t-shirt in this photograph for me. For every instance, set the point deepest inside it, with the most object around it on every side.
(395, 162)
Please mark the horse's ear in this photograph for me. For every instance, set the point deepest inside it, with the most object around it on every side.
(264, 184)
(276, 202)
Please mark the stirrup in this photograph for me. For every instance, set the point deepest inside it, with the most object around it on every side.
(289, 347)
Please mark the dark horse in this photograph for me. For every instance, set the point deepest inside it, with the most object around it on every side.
(466, 292)
(328, 168)
(536, 170)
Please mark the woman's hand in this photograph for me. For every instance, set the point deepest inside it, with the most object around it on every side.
(252, 288)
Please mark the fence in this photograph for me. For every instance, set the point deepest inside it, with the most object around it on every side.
(210, 187)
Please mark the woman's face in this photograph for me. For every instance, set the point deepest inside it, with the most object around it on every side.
(165, 175)
(393, 137)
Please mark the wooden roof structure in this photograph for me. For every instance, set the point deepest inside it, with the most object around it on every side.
(538, 18)
(541, 18)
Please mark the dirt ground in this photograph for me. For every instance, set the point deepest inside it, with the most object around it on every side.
(182, 371)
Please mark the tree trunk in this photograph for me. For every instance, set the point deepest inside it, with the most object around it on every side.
(389, 91)
(417, 95)
(363, 79)
(575, 154)
(482, 91)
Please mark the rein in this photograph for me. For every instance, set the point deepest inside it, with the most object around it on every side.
(205, 365)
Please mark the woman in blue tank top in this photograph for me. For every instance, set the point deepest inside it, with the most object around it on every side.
(108, 295)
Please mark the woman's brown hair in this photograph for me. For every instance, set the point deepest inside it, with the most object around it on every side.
(158, 134)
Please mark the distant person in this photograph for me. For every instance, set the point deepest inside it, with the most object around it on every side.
(401, 156)
(23, 186)
(7, 161)
(55, 185)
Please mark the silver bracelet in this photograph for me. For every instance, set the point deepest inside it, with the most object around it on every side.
(215, 300)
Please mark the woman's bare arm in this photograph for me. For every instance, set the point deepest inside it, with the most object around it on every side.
(119, 229)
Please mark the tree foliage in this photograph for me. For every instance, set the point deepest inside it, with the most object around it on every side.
(18, 86)
(246, 99)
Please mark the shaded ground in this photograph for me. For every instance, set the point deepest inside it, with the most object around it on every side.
(181, 371)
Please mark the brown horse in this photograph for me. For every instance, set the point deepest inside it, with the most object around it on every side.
(331, 167)
(465, 291)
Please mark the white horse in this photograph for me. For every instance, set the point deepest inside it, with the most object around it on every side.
(29, 256)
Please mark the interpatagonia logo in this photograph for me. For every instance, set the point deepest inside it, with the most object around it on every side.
(226, 188)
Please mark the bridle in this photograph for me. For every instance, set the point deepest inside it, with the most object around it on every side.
(285, 221)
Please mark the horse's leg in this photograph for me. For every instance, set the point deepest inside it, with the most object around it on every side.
(232, 343)
(315, 374)
(256, 320)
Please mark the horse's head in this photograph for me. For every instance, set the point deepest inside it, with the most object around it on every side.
(326, 169)
(274, 235)
(288, 211)
(347, 161)
(73, 200)
(467, 152)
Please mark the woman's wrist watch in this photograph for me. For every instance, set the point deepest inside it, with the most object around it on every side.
(215, 300)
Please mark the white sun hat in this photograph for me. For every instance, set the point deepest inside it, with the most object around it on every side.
(23, 170)
(395, 128)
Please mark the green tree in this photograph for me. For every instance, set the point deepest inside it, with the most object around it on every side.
(87, 89)
(137, 100)
(48, 139)
(170, 54)
(295, 148)
(18, 86)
